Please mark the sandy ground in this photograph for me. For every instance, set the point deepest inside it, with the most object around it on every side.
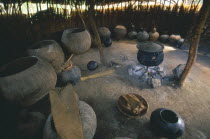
(192, 101)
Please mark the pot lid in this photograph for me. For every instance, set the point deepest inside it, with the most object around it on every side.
(150, 46)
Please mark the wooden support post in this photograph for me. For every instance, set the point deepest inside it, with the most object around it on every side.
(195, 39)
(95, 31)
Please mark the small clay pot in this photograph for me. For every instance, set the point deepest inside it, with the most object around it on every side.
(173, 39)
(142, 35)
(180, 43)
(107, 41)
(71, 75)
(132, 35)
(154, 35)
(92, 65)
(164, 38)
(104, 32)
(120, 32)
(167, 123)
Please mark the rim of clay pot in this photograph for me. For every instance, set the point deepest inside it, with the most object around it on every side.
(169, 116)
(150, 47)
(42, 44)
(77, 30)
(17, 66)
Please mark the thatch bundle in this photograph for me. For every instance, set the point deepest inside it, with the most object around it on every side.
(36, 23)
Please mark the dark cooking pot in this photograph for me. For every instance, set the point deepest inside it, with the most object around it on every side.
(167, 123)
(107, 41)
(150, 53)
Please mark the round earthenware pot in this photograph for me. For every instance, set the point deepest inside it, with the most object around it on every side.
(76, 40)
(167, 123)
(26, 80)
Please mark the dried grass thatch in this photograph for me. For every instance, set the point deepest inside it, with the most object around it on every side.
(48, 17)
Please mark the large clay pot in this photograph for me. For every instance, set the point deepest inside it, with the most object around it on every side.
(120, 32)
(48, 50)
(142, 35)
(154, 35)
(26, 80)
(167, 123)
(173, 39)
(76, 40)
(89, 123)
(104, 32)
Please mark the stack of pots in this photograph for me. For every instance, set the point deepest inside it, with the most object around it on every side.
(105, 36)
(120, 32)
(133, 33)
(76, 40)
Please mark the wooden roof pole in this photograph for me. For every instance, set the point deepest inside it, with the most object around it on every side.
(91, 16)
(200, 22)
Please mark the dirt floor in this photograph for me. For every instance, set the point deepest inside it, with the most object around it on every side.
(192, 101)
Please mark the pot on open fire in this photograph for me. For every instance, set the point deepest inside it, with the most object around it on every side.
(150, 53)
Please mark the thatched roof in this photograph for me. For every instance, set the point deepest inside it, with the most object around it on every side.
(101, 2)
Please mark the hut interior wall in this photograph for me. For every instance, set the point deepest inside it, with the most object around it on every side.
(22, 29)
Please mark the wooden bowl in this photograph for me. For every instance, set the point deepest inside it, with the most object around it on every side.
(132, 105)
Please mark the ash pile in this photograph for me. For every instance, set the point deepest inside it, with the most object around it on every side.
(153, 75)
